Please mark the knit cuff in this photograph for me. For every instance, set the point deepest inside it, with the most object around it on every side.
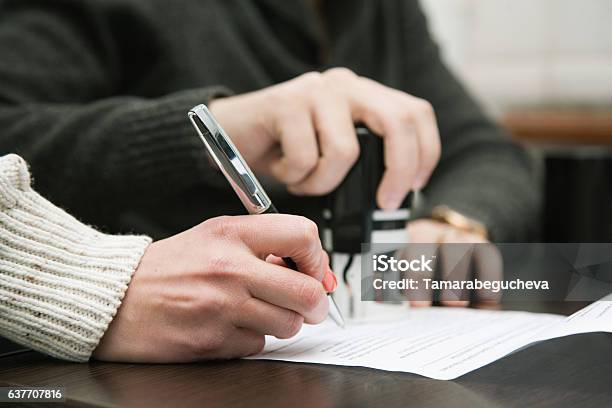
(157, 147)
(61, 282)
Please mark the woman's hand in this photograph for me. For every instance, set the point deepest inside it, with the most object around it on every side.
(461, 256)
(215, 290)
(302, 132)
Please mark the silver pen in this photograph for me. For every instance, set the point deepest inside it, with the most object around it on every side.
(241, 178)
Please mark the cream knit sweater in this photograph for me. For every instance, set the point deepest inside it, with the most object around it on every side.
(61, 282)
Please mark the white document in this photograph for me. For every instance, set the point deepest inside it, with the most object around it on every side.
(440, 343)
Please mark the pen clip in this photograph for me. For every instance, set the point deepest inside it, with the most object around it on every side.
(229, 160)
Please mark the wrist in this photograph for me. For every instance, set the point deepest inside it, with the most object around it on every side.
(62, 280)
(152, 137)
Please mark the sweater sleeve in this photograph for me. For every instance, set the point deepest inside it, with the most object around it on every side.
(482, 173)
(62, 68)
(61, 282)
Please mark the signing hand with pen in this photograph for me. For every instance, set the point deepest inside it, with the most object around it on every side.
(302, 132)
(215, 290)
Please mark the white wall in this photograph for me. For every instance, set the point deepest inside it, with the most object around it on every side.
(528, 52)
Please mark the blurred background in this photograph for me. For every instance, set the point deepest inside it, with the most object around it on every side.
(543, 68)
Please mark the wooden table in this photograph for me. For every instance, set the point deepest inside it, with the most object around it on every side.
(572, 371)
(567, 126)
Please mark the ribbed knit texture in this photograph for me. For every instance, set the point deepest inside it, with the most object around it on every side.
(61, 282)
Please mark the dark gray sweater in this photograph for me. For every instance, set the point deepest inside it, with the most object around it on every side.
(94, 94)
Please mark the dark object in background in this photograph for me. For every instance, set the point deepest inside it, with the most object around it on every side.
(576, 146)
(349, 214)
(578, 198)
(349, 207)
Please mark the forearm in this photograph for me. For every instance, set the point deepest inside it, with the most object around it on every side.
(112, 153)
(61, 282)
(65, 73)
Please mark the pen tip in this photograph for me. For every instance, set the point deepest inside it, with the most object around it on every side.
(334, 313)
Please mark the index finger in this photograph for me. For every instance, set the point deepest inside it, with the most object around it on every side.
(289, 290)
(428, 140)
(284, 236)
(383, 112)
(401, 164)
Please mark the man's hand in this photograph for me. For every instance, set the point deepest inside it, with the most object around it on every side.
(215, 290)
(302, 132)
(459, 254)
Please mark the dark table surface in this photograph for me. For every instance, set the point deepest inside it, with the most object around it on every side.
(571, 371)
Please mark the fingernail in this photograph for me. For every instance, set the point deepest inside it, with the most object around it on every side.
(330, 283)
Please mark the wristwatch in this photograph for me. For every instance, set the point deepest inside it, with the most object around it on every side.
(451, 217)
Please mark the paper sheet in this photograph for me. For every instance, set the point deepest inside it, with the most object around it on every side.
(440, 343)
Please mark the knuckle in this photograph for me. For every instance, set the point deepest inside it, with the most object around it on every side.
(207, 346)
(425, 107)
(413, 109)
(219, 265)
(222, 226)
(311, 294)
(394, 118)
(341, 73)
(259, 343)
(349, 152)
(212, 305)
(311, 78)
(292, 325)
(310, 229)
(304, 163)
(421, 107)
(405, 113)
(212, 344)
